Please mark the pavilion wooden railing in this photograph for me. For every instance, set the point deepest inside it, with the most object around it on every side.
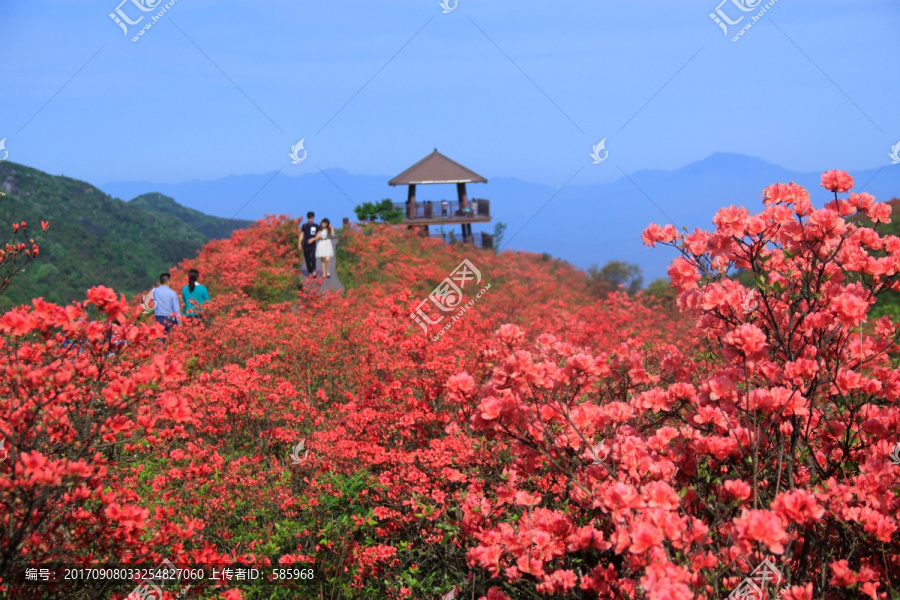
(444, 209)
(479, 239)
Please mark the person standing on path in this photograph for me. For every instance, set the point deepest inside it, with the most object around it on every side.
(325, 246)
(166, 309)
(194, 296)
(307, 242)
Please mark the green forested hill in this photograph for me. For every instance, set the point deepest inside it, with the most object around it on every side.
(212, 227)
(95, 239)
(889, 302)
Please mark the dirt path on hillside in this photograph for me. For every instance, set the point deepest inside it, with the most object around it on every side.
(330, 284)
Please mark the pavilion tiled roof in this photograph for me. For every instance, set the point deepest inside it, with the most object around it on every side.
(437, 168)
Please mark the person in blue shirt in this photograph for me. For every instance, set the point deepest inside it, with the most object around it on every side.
(166, 307)
(194, 295)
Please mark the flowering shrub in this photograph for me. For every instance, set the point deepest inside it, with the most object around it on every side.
(549, 444)
(78, 398)
(16, 254)
(769, 439)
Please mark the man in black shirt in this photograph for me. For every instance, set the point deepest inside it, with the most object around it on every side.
(307, 242)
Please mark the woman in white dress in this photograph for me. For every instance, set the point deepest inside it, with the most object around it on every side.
(324, 246)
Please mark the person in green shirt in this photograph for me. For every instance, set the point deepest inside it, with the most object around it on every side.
(194, 295)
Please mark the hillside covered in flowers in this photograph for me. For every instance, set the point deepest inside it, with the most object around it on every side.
(551, 444)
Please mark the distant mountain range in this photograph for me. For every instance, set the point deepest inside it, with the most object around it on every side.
(94, 239)
(583, 224)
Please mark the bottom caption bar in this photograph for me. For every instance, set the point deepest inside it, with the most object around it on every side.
(149, 581)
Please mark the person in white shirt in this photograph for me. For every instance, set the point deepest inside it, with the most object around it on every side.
(325, 246)
(166, 307)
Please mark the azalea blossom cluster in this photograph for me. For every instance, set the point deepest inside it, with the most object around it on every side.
(77, 395)
(769, 440)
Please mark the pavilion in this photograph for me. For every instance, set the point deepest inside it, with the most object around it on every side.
(438, 169)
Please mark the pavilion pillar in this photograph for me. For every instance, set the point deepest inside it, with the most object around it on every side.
(411, 202)
(463, 205)
(463, 197)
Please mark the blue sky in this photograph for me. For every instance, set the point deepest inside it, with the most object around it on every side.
(510, 89)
